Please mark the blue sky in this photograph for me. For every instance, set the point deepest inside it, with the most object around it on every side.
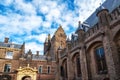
(30, 21)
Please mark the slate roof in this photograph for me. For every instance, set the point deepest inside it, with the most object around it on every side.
(17, 46)
(108, 4)
(38, 57)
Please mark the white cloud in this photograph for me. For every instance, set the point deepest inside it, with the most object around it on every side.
(6, 2)
(25, 8)
(46, 24)
(40, 37)
(86, 7)
(23, 19)
(34, 47)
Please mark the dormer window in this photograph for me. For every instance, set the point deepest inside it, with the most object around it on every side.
(9, 55)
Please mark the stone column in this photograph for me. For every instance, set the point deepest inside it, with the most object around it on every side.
(110, 59)
(70, 69)
(83, 64)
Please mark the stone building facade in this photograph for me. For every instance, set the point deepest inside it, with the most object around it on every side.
(93, 52)
(14, 61)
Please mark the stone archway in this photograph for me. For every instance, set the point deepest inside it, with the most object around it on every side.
(76, 66)
(27, 71)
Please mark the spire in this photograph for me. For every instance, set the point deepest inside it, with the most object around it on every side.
(79, 25)
(68, 39)
(79, 22)
(49, 38)
(29, 52)
(60, 27)
(46, 40)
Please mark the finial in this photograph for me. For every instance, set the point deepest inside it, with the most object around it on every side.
(79, 22)
(101, 6)
(28, 65)
(60, 25)
(20, 67)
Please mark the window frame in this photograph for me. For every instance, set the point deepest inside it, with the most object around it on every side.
(6, 70)
(48, 70)
(103, 59)
(41, 69)
(79, 73)
(9, 57)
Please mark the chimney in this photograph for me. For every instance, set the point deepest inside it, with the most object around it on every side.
(37, 53)
(6, 40)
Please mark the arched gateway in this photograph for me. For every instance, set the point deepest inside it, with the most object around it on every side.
(26, 71)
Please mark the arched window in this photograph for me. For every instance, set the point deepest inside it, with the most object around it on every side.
(78, 66)
(64, 69)
(100, 60)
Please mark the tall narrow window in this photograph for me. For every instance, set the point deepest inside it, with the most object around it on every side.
(100, 60)
(78, 66)
(48, 69)
(9, 55)
(7, 68)
(62, 71)
(66, 69)
(40, 69)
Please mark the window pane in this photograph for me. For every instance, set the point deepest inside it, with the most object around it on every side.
(7, 68)
(9, 55)
(62, 71)
(40, 69)
(100, 60)
(48, 69)
(78, 67)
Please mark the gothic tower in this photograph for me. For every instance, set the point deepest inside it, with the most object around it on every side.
(58, 40)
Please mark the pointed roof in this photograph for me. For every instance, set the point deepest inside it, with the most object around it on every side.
(60, 29)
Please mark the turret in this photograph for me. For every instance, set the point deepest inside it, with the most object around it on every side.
(23, 48)
(47, 43)
(68, 41)
(102, 14)
(80, 31)
(49, 38)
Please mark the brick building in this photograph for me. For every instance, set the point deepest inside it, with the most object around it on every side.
(14, 63)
